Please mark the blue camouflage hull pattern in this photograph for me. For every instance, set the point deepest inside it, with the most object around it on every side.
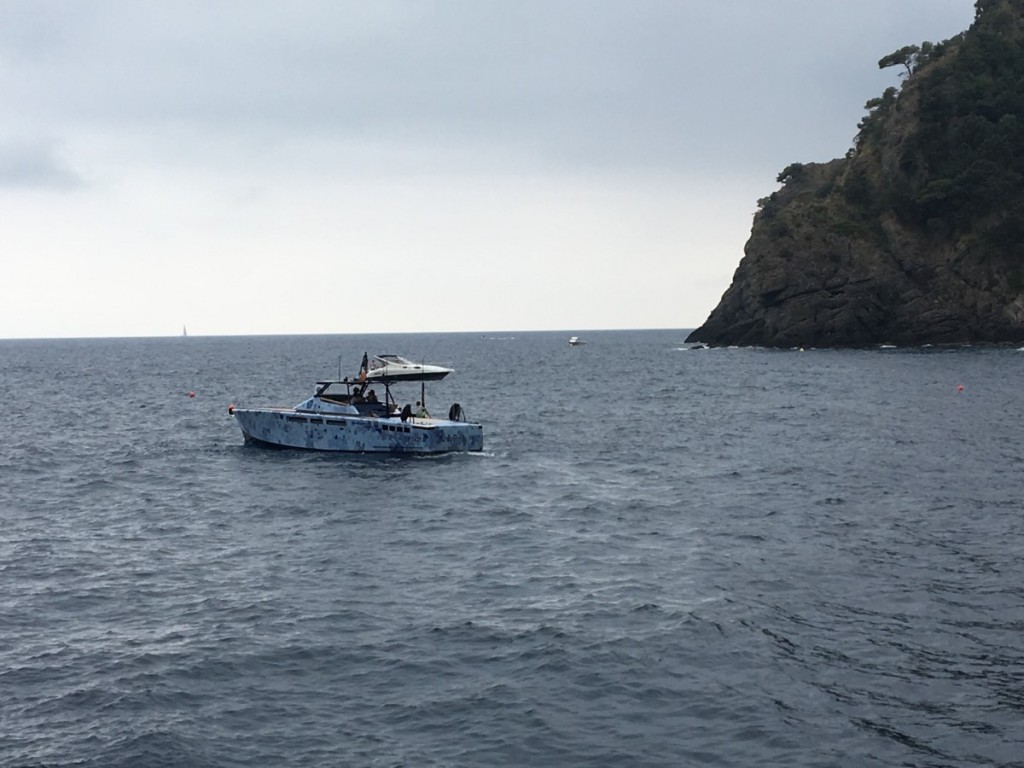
(288, 428)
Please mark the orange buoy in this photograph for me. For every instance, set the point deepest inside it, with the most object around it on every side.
(959, 387)
(191, 393)
(231, 409)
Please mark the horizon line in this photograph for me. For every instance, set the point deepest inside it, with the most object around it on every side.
(192, 335)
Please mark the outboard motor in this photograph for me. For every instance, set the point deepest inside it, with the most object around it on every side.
(455, 413)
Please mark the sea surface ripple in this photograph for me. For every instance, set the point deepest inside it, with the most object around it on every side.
(664, 557)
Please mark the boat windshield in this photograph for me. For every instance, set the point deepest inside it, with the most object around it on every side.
(391, 360)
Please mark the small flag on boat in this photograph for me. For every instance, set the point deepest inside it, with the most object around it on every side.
(364, 368)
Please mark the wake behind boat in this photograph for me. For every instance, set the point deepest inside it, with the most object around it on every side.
(349, 416)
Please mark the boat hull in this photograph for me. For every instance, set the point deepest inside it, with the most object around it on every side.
(289, 428)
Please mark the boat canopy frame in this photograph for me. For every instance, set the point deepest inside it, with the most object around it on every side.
(357, 388)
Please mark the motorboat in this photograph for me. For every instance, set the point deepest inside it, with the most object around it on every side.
(397, 368)
(575, 341)
(349, 416)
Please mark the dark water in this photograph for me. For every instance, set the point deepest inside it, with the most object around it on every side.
(663, 558)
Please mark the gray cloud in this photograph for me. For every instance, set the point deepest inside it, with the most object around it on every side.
(35, 163)
(661, 84)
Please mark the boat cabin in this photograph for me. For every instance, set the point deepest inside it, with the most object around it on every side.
(360, 395)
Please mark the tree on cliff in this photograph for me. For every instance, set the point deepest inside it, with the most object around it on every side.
(906, 56)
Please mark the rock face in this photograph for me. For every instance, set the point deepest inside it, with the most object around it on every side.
(917, 235)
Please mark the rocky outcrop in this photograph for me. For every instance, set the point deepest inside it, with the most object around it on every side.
(917, 235)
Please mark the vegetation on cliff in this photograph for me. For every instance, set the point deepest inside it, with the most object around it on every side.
(917, 235)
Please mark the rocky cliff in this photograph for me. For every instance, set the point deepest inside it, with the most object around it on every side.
(917, 235)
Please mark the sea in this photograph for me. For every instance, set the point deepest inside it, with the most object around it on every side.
(663, 557)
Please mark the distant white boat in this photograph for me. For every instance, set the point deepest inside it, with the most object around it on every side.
(397, 368)
(575, 341)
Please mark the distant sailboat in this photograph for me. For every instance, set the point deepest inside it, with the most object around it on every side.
(184, 331)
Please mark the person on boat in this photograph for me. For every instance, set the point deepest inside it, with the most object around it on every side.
(421, 410)
(371, 397)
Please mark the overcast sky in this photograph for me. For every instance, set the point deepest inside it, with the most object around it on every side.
(350, 167)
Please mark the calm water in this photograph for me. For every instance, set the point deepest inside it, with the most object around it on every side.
(663, 558)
